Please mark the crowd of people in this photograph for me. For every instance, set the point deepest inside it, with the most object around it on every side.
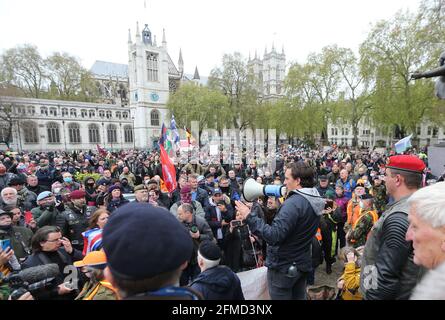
(115, 232)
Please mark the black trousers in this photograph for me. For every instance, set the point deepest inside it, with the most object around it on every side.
(282, 287)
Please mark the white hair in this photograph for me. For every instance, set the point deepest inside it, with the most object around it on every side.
(429, 203)
(8, 189)
(208, 263)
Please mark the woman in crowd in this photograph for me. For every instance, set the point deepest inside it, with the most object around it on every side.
(93, 236)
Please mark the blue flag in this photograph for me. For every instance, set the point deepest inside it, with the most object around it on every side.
(174, 130)
(403, 144)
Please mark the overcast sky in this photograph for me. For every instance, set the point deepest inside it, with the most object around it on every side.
(204, 29)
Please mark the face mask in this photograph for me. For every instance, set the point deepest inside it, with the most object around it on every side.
(225, 189)
(91, 184)
(68, 180)
(124, 183)
(56, 190)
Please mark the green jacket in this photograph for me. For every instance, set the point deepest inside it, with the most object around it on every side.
(103, 293)
(20, 240)
(44, 217)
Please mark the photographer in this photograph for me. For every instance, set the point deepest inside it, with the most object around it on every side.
(199, 231)
(19, 237)
(47, 249)
(46, 213)
(242, 249)
(332, 215)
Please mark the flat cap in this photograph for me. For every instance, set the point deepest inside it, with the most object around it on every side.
(406, 163)
(140, 187)
(142, 241)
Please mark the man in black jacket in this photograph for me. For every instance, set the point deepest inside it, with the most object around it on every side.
(47, 249)
(73, 221)
(215, 282)
(388, 271)
(289, 238)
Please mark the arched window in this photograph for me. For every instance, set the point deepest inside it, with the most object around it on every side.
(44, 111)
(32, 110)
(278, 73)
(101, 113)
(109, 114)
(111, 133)
(83, 113)
(118, 114)
(128, 133)
(30, 132)
(92, 113)
(53, 112)
(93, 133)
(64, 112)
(152, 66)
(73, 113)
(125, 115)
(154, 116)
(53, 132)
(74, 132)
(4, 133)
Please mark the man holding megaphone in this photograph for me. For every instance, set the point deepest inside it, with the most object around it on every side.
(289, 237)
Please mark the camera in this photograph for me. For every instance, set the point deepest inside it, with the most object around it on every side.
(236, 223)
(193, 228)
(329, 204)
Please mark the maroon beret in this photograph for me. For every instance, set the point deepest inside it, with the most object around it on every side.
(77, 194)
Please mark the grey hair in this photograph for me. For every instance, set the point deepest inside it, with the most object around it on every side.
(8, 188)
(429, 203)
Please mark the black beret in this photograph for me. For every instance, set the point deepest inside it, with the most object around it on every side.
(209, 250)
(142, 241)
(16, 181)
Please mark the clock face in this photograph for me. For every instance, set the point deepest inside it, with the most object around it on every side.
(154, 96)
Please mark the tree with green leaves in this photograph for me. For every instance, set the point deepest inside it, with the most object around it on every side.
(208, 107)
(233, 80)
(24, 68)
(393, 50)
(354, 100)
(7, 123)
(68, 78)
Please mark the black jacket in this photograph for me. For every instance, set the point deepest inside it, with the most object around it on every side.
(212, 218)
(290, 236)
(63, 259)
(73, 222)
(202, 197)
(37, 189)
(218, 283)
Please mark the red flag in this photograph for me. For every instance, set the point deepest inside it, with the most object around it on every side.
(101, 151)
(168, 170)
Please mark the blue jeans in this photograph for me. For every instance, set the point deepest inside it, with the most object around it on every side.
(282, 287)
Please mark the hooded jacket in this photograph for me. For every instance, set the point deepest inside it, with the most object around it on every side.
(218, 283)
(289, 237)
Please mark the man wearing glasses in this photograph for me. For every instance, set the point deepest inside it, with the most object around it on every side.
(49, 247)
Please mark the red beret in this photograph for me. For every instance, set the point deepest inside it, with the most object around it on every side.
(77, 194)
(406, 163)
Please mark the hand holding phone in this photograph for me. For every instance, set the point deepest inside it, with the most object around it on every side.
(5, 244)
